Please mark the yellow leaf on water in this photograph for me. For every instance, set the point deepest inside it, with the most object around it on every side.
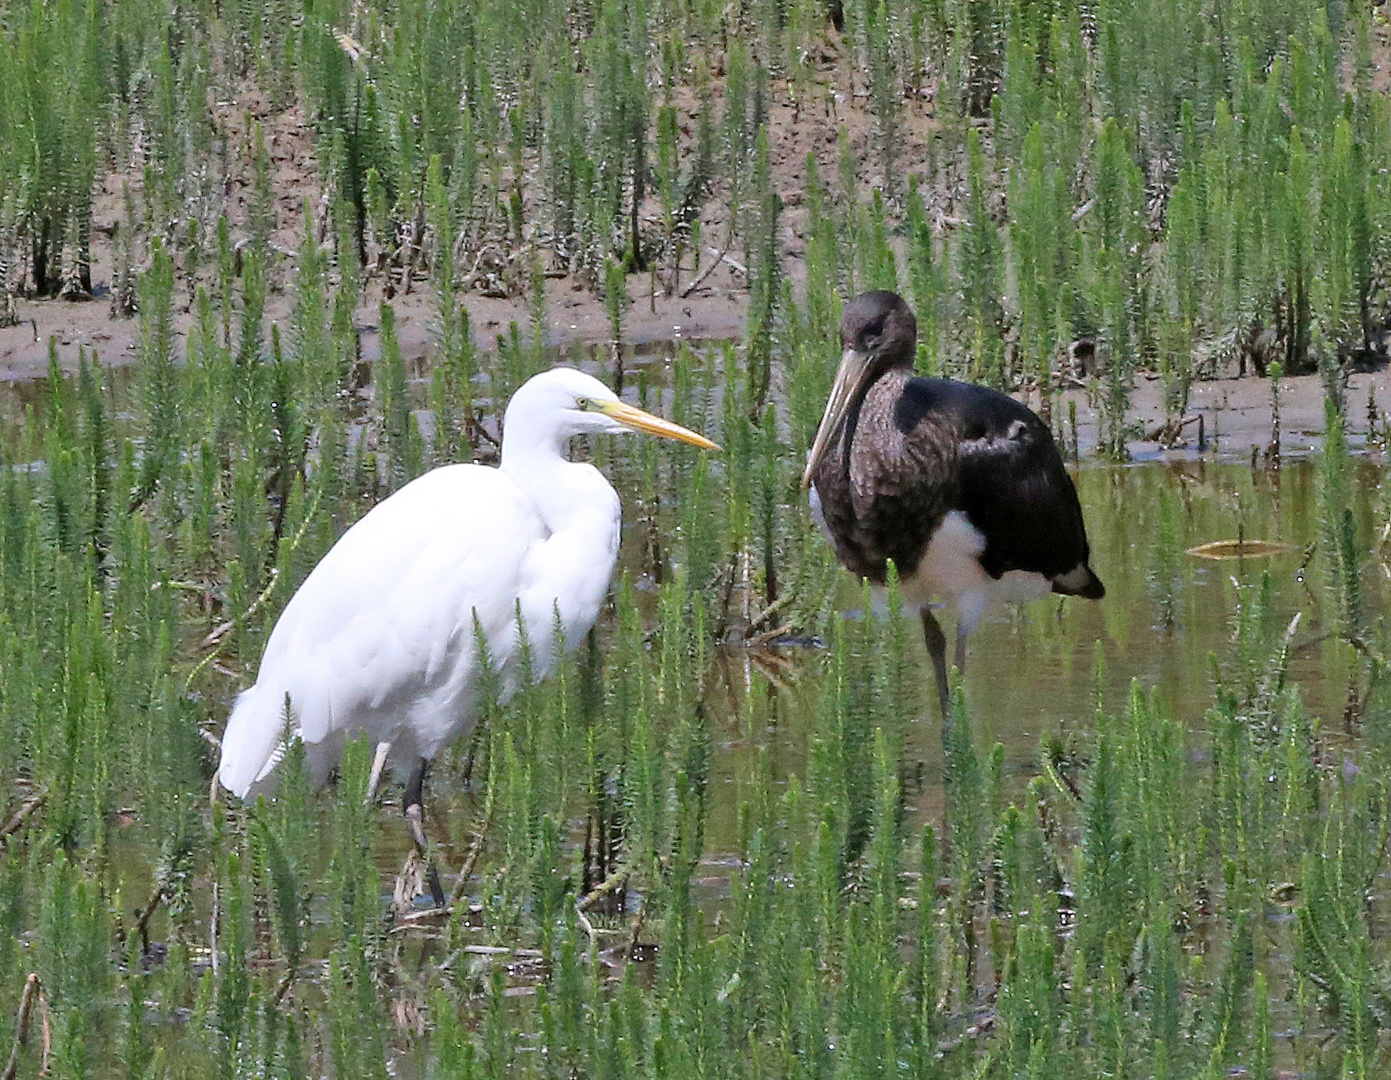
(1241, 549)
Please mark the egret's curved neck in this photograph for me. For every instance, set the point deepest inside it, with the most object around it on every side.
(528, 440)
(567, 571)
(571, 497)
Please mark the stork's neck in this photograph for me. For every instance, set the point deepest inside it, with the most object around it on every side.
(892, 380)
(874, 406)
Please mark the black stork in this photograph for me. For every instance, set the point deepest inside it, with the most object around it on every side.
(960, 485)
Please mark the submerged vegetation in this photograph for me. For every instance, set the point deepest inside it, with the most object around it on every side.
(1157, 900)
(1150, 898)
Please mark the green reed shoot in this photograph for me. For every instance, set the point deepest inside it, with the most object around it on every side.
(812, 910)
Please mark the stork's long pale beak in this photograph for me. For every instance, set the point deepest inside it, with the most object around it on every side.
(849, 376)
(633, 417)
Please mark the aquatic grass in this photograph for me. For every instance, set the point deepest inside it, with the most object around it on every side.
(1115, 908)
(781, 1007)
(1334, 936)
(552, 159)
(979, 273)
(1342, 563)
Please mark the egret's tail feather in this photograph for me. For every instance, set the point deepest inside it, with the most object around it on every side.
(254, 741)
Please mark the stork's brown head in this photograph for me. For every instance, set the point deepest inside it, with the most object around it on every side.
(877, 332)
(880, 326)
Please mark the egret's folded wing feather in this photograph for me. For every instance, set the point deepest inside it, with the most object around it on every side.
(386, 621)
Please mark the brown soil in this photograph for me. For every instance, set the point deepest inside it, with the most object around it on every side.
(835, 98)
(1235, 416)
(1236, 412)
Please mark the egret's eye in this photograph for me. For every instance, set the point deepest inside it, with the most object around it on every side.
(582, 403)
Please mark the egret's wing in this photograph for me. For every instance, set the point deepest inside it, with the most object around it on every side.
(387, 618)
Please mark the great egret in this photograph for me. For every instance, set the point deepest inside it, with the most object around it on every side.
(961, 486)
(381, 639)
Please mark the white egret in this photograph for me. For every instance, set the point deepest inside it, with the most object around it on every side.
(960, 485)
(381, 639)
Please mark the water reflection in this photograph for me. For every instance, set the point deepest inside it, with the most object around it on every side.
(1048, 666)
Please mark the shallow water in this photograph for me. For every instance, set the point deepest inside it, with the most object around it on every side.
(1043, 670)
(1047, 666)
(1044, 667)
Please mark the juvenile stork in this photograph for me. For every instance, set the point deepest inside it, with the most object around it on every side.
(961, 486)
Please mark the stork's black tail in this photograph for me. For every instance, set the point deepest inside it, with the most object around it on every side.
(1080, 581)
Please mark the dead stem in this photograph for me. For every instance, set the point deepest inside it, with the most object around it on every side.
(142, 925)
(720, 256)
(767, 613)
(22, 815)
(219, 632)
(617, 878)
(613, 881)
(33, 992)
(475, 850)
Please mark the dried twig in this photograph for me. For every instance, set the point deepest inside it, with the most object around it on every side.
(1170, 430)
(632, 948)
(216, 635)
(475, 850)
(22, 814)
(33, 993)
(588, 928)
(760, 641)
(720, 256)
(767, 614)
(617, 878)
(142, 925)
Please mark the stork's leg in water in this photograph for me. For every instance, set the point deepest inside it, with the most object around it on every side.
(937, 649)
(415, 818)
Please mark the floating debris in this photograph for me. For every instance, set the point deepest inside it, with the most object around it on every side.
(1241, 549)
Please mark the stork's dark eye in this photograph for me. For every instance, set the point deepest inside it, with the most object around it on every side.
(873, 330)
(582, 403)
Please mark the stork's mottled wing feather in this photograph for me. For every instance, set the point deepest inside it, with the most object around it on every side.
(1012, 484)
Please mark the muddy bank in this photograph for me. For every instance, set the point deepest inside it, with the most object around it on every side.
(575, 317)
(1232, 418)
(1226, 417)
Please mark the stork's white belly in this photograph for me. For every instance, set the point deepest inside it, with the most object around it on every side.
(950, 570)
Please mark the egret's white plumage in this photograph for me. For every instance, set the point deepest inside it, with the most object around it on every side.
(382, 637)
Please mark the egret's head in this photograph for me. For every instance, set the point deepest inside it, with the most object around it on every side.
(877, 332)
(564, 402)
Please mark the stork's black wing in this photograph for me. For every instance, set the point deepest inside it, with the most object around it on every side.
(1012, 483)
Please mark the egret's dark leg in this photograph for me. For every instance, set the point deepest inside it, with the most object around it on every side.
(937, 649)
(961, 635)
(415, 818)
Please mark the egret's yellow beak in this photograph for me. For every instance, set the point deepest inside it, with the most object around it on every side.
(849, 375)
(635, 418)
